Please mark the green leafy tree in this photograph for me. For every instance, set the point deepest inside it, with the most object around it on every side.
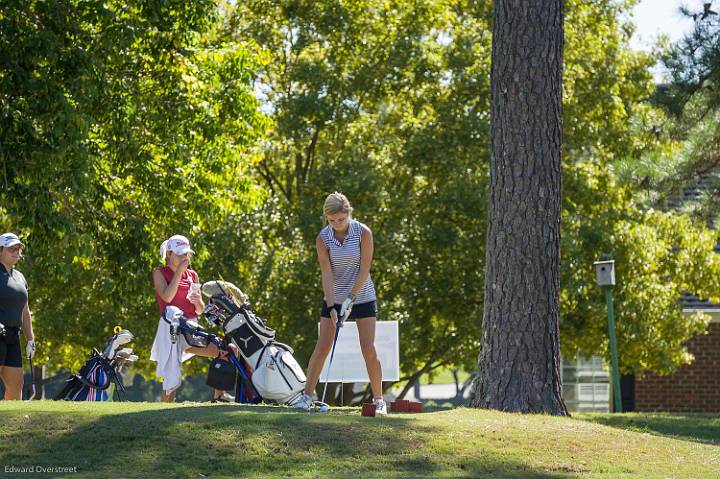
(614, 137)
(123, 123)
(659, 257)
(375, 105)
(691, 99)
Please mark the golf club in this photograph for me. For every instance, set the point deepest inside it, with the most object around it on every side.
(338, 325)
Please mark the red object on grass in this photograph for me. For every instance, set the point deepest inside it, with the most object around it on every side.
(415, 406)
(368, 409)
(401, 405)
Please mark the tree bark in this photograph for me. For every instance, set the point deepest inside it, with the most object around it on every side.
(518, 367)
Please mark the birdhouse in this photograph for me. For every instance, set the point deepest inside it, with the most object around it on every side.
(605, 273)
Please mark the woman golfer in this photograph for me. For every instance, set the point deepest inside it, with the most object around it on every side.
(14, 316)
(345, 250)
(178, 285)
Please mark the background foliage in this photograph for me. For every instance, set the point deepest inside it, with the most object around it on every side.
(122, 123)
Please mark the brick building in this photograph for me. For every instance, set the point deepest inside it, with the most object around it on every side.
(692, 388)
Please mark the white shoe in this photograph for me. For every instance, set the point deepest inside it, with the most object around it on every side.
(380, 407)
(305, 402)
(224, 397)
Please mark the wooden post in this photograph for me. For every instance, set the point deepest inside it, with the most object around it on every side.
(39, 375)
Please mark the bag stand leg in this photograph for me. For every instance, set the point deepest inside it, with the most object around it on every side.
(238, 387)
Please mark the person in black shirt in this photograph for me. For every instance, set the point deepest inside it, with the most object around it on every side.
(14, 316)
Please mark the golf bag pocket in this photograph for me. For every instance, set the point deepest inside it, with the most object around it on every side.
(221, 375)
(249, 333)
(277, 375)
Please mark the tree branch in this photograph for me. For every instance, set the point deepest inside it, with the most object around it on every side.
(310, 155)
(271, 179)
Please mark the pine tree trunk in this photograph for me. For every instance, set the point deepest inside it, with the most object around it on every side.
(518, 367)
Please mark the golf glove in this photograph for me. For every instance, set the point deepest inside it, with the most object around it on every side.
(30, 349)
(346, 307)
(335, 316)
(2, 330)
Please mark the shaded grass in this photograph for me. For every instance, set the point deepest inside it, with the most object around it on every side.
(202, 440)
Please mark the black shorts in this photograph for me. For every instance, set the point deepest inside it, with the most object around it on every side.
(363, 310)
(10, 354)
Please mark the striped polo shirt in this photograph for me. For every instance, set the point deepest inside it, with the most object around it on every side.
(345, 263)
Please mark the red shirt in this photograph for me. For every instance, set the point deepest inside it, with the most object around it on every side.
(180, 300)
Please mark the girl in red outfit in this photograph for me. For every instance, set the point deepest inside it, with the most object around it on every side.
(172, 288)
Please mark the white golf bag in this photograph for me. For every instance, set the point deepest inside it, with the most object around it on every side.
(276, 374)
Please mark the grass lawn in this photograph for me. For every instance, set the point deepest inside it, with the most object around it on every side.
(444, 376)
(193, 440)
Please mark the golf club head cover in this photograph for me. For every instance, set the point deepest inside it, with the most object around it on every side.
(124, 337)
(228, 306)
(213, 288)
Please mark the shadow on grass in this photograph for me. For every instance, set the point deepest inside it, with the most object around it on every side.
(235, 441)
(702, 428)
(434, 405)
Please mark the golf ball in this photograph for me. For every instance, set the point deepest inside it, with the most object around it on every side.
(323, 408)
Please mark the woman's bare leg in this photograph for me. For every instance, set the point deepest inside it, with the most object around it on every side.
(12, 379)
(366, 332)
(322, 349)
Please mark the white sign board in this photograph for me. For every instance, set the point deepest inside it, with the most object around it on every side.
(348, 364)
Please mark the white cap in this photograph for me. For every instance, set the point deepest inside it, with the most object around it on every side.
(178, 244)
(10, 239)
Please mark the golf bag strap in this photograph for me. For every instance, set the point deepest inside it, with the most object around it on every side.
(90, 384)
(262, 353)
(277, 344)
(119, 388)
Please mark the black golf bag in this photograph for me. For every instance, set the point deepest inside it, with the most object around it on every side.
(276, 374)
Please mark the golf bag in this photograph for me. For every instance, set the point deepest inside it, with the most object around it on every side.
(223, 374)
(276, 374)
(93, 381)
